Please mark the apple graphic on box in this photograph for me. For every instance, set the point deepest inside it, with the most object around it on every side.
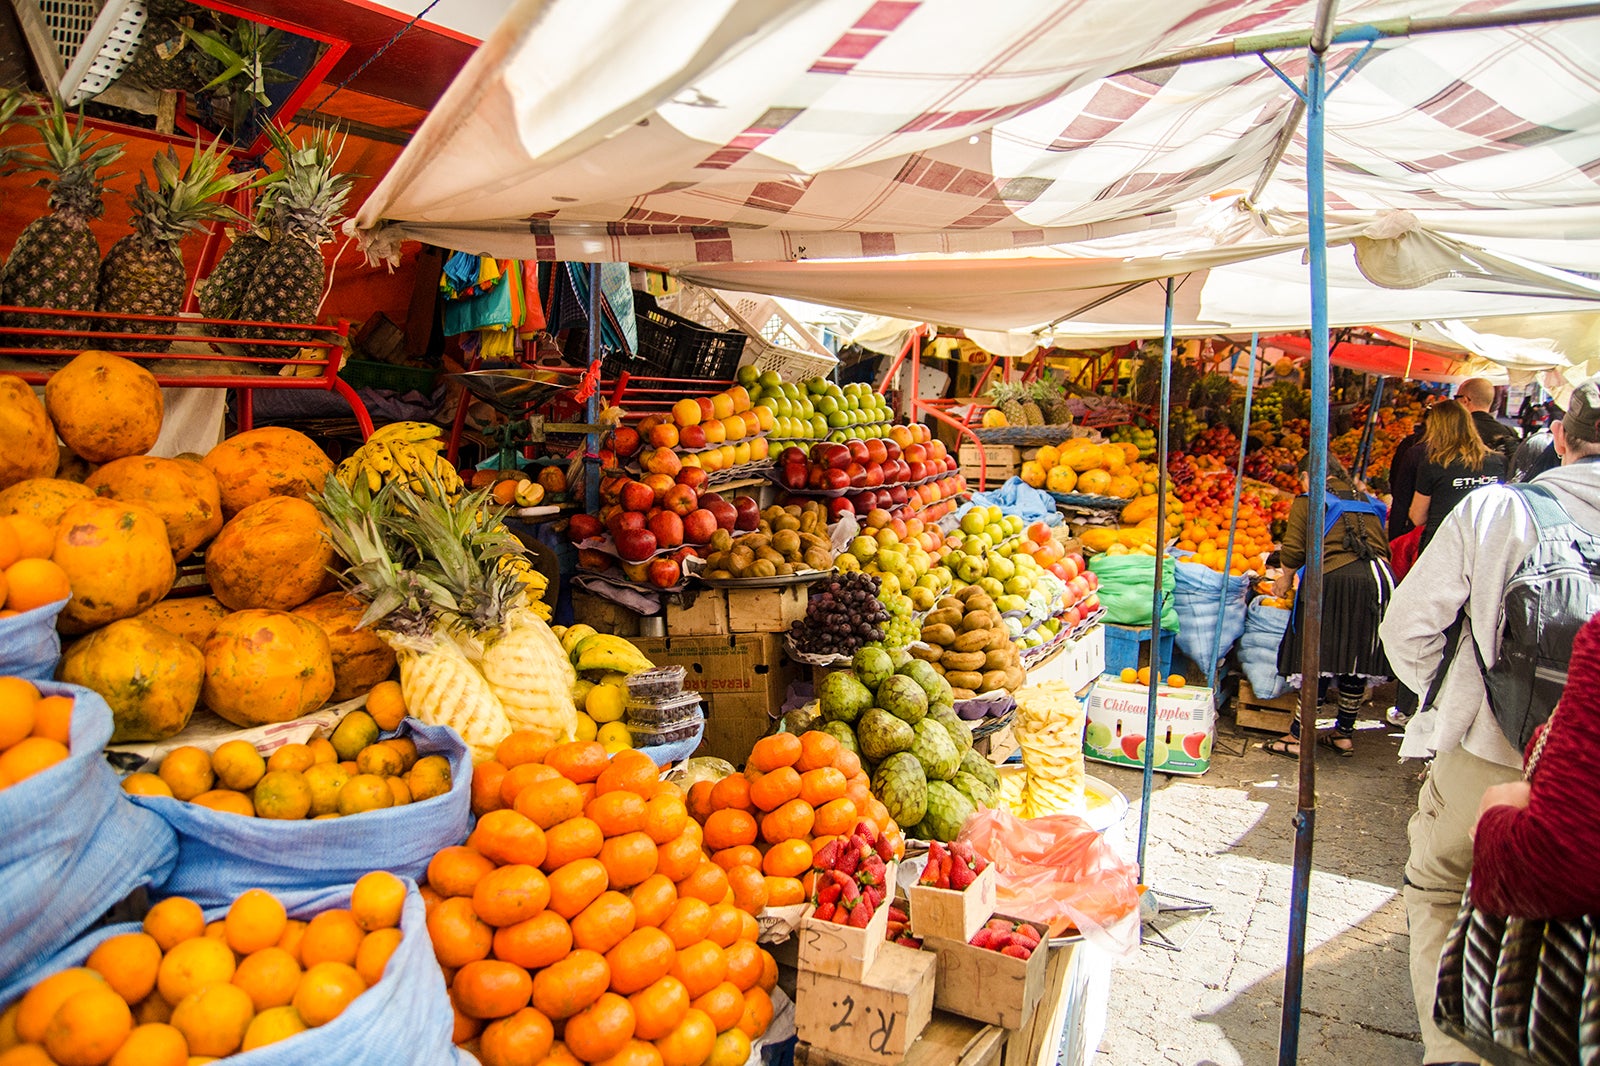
(1198, 745)
(1098, 735)
(1133, 745)
(1161, 755)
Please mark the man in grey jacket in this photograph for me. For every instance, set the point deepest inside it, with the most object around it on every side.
(1467, 565)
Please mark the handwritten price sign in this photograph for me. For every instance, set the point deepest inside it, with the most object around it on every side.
(869, 1022)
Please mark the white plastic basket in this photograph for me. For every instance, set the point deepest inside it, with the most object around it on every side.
(80, 46)
(776, 340)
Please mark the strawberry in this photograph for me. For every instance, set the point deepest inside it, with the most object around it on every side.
(893, 930)
(999, 925)
(1017, 951)
(983, 938)
(961, 876)
(824, 912)
(868, 831)
(851, 893)
(849, 859)
(860, 914)
(909, 941)
(826, 856)
(946, 861)
(829, 893)
(873, 894)
(885, 848)
(874, 867)
(962, 851)
(1026, 933)
(897, 914)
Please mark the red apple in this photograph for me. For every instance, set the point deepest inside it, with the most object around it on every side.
(795, 476)
(857, 474)
(667, 528)
(838, 507)
(659, 484)
(664, 436)
(584, 527)
(1093, 579)
(899, 494)
(649, 422)
(662, 461)
(792, 454)
(1038, 532)
(593, 559)
(693, 476)
(858, 450)
(637, 496)
(919, 470)
(936, 450)
(625, 440)
(723, 513)
(877, 519)
(680, 500)
(684, 554)
(836, 456)
(916, 453)
(692, 437)
(874, 474)
(835, 478)
(864, 502)
(950, 464)
(636, 545)
(892, 449)
(1061, 572)
(698, 525)
(816, 477)
(706, 410)
(877, 450)
(664, 573)
(623, 521)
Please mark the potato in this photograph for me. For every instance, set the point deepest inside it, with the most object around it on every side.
(976, 620)
(794, 509)
(818, 558)
(786, 521)
(766, 553)
(939, 634)
(963, 660)
(717, 561)
(763, 568)
(721, 541)
(992, 680)
(786, 542)
(961, 693)
(944, 617)
(927, 653)
(756, 541)
(785, 569)
(966, 594)
(968, 679)
(719, 575)
(1016, 677)
(950, 603)
(997, 659)
(999, 639)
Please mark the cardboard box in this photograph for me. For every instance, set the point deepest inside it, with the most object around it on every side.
(605, 616)
(837, 950)
(876, 1019)
(953, 915)
(986, 985)
(1078, 663)
(766, 610)
(706, 615)
(743, 680)
(1186, 725)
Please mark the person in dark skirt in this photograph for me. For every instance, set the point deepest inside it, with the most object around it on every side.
(1356, 586)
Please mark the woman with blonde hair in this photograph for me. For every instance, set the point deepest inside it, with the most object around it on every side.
(1455, 462)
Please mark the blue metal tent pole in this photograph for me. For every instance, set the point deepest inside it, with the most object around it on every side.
(1162, 442)
(1233, 520)
(1369, 431)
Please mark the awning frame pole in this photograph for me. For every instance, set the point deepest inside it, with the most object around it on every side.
(1364, 454)
(1233, 520)
(591, 444)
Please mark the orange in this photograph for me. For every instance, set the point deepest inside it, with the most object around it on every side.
(293, 931)
(790, 858)
(129, 963)
(847, 762)
(666, 816)
(658, 1009)
(575, 886)
(729, 828)
(214, 1019)
(193, 965)
(145, 784)
(600, 1030)
(272, 1025)
(33, 583)
(297, 757)
(739, 855)
(688, 922)
(325, 991)
(465, 1027)
(690, 1043)
(508, 838)
(635, 1052)
(520, 777)
(579, 761)
(541, 940)
(566, 987)
(817, 749)
(486, 780)
(708, 882)
(618, 812)
(573, 839)
(727, 921)
(88, 1027)
(377, 900)
(744, 964)
(522, 1039)
(639, 960)
(653, 900)
(732, 1048)
(749, 888)
(332, 936)
(322, 751)
(630, 771)
(490, 988)
(789, 822)
(701, 967)
(459, 936)
(217, 930)
(29, 756)
(35, 540)
(173, 920)
(269, 977)
(772, 790)
(757, 1013)
(628, 859)
(255, 921)
(227, 801)
(378, 759)
(679, 858)
(363, 792)
(373, 954)
(779, 749)
(859, 791)
(835, 818)
(603, 923)
(19, 702)
(784, 892)
(699, 800)
(769, 972)
(456, 871)
(40, 1003)
(549, 803)
(511, 894)
(152, 1045)
(519, 748)
(822, 785)
(732, 791)
(724, 1005)
(283, 794)
(26, 1054)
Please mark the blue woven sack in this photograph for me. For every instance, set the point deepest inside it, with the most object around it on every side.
(403, 1019)
(1202, 611)
(29, 643)
(221, 855)
(73, 845)
(1258, 647)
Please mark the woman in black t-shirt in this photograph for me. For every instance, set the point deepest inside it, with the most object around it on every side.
(1455, 463)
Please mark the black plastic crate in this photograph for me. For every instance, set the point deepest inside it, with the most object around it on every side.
(673, 346)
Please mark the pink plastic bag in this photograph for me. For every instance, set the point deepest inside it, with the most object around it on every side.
(1058, 867)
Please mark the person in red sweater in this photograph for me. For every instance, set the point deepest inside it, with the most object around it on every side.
(1536, 844)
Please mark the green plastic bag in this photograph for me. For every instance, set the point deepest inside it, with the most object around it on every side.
(1127, 585)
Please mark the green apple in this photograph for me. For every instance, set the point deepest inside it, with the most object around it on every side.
(1098, 734)
(863, 548)
(974, 520)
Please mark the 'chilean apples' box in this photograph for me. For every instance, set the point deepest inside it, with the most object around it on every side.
(1186, 724)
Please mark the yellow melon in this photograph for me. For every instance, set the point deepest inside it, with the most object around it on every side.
(190, 617)
(273, 461)
(270, 555)
(266, 666)
(1061, 479)
(104, 406)
(1093, 481)
(181, 491)
(1033, 474)
(1123, 487)
(30, 441)
(361, 659)
(149, 676)
(43, 498)
(117, 561)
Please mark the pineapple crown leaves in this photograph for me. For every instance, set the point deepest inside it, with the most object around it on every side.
(184, 198)
(309, 196)
(11, 101)
(397, 597)
(76, 159)
(246, 51)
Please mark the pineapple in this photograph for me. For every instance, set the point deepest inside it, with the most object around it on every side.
(166, 58)
(288, 281)
(1030, 404)
(1007, 397)
(56, 260)
(143, 273)
(222, 293)
(1058, 412)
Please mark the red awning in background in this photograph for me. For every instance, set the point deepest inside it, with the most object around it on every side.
(1389, 360)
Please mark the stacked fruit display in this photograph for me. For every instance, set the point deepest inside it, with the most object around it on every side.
(842, 615)
(817, 409)
(185, 990)
(583, 903)
(786, 540)
(954, 867)
(718, 432)
(967, 642)
(910, 578)
(853, 876)
(1143, 440)
(1203, 530)
(1276, 465)
(860, 476)
(35, 730)
(601, 664)
(349, 772)
(1218, 441)
(1082, 466)
(647, 529)
(898, 714)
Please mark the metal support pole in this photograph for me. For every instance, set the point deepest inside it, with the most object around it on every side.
(1162, 442)
(1233, 520)
(1365, 454)
(591, 409)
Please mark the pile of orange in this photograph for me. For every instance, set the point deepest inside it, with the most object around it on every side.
(796, 793)
(183, 990)
(582, 921)
(1206, 534)
(297, 780)
(35, 730)
(28, 576)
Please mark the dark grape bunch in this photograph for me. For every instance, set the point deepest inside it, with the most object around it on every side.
(841, 616)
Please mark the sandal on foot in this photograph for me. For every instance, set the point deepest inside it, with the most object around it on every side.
(1331, 742)
(1281, 748)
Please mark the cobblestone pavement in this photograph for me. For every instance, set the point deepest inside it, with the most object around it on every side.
(1227, 838)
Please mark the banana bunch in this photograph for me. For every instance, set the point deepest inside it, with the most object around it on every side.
(408, 452)
(590, 650)
(1049, 730)
(532, 580)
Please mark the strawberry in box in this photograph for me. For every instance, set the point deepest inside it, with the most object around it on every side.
(956, 893)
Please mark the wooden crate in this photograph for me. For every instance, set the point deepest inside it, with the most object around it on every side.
(1004, 461)
(875, 1019)
(947, 1041)
(1038, 1042)
(1270, 716)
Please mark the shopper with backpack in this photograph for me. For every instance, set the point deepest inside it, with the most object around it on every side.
(1484, 625)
